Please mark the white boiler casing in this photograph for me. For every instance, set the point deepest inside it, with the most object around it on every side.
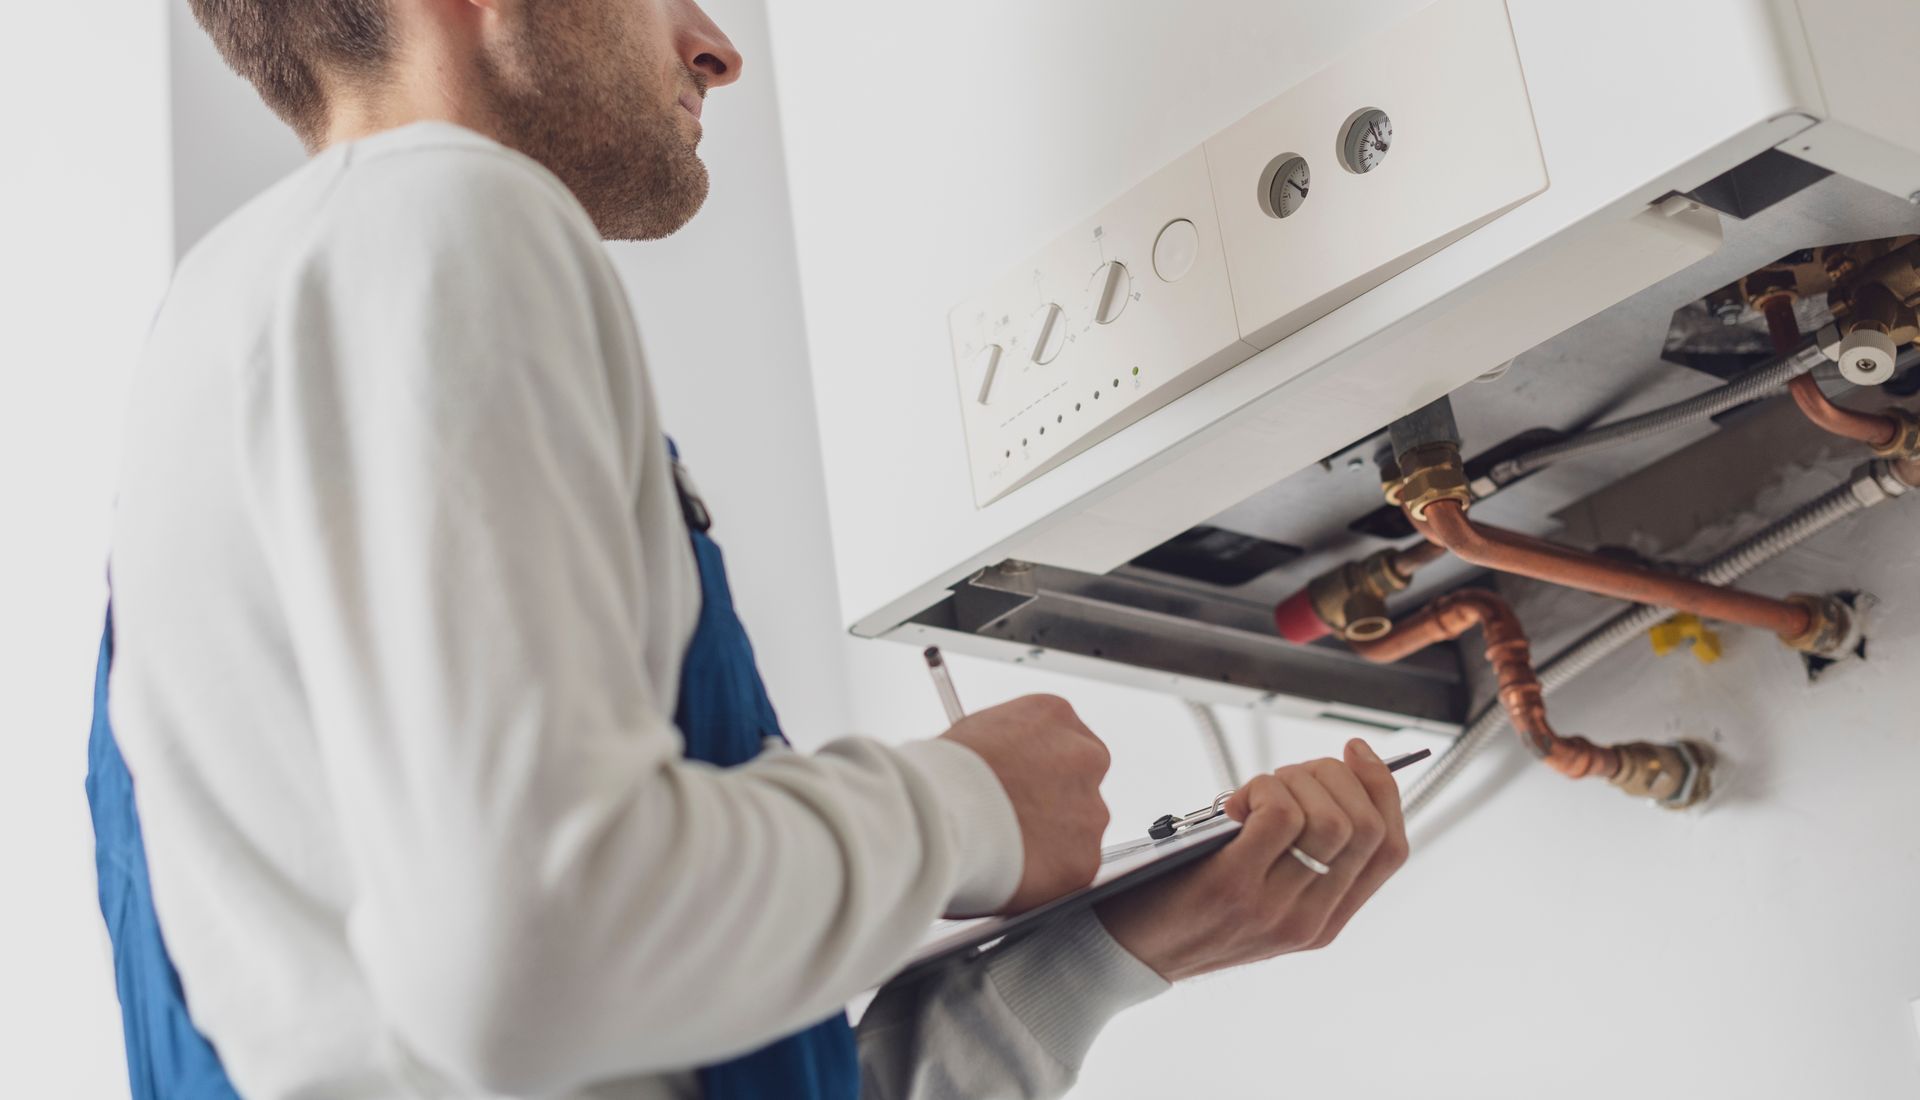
(941, 158)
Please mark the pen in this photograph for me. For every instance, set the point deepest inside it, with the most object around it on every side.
(943, 683)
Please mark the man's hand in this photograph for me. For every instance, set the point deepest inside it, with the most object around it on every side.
(1050, 765)
(1252, 900)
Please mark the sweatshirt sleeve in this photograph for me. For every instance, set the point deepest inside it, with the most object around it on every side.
(1014, 1024)
(442, 471)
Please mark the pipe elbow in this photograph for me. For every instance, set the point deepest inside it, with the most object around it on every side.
(1446, 524)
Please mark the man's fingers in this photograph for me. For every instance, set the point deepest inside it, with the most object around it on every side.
(1380, 786)
(1273, 820)
(1327, 829)
(1369, 827)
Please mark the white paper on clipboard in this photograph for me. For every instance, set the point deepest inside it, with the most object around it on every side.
(1125, 867)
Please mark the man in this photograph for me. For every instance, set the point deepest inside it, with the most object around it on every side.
(448, 745)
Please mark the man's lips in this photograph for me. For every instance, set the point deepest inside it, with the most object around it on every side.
(692, 103)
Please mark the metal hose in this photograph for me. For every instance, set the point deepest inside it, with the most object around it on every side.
(1762, 381)
(1861, 491)
(1225, 768)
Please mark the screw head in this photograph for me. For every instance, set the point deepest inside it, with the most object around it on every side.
(1355, 462)
(1865, 366)
(1914, 198)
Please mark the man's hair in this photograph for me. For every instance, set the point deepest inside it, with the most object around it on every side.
(281, 46)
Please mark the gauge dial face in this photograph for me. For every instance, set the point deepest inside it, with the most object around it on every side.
(1287, 186)
(1367, 140)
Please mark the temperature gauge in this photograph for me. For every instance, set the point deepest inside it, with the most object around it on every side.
(1284, 186)
(1368, 137)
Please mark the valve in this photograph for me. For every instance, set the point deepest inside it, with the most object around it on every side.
(1674, 774)
(1866, 357)
(1686, 630)
(1348, 601)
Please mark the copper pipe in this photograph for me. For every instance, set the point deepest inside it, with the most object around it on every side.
(1455, 613)
(1492, 548)
(1410, 560)
(1784, 329)
(1874, 431)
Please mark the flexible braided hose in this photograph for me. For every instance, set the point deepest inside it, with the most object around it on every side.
(1767, 378)
(1770, 542)
(1225, 768)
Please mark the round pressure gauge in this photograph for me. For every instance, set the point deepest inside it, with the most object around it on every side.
(1283, 187)
(1366, 141)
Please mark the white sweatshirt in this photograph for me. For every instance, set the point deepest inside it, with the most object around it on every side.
(401, 592)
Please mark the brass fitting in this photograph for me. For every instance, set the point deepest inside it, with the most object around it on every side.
(1429, 473)
(1832, 630)
(1898, 271)
(1906, 442)
(1674, 774)
(1352, 599)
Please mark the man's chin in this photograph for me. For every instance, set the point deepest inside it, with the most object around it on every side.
(659, 212)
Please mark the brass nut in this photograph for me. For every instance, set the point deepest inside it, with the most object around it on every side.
(1906, 441)
(1433, 473)
(1830, 630)
(1382, 574)
(1674, 774)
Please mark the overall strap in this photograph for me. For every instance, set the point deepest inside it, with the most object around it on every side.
(726, 717)
(167, 1057)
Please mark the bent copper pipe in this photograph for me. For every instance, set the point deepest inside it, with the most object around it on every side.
(1446, 523)
(1455, 613)
(1874, 431)
(1784, 330)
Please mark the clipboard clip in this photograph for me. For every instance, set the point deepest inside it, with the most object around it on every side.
(1167, 825)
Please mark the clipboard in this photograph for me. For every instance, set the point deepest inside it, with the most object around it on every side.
(1171, 843)
(1122, 867)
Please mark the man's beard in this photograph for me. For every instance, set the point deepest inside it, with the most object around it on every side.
(581, 110)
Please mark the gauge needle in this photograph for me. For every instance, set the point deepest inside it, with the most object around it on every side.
(1297, 187)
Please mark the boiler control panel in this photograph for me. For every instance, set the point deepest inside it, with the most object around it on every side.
(1337, 185)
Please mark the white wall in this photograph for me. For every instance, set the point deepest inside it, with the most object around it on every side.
(83, 214)
(227, 147)
(719, 313)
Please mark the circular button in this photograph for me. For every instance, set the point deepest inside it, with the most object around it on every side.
(1175, 250)
(1110, 287)
(1047, 333)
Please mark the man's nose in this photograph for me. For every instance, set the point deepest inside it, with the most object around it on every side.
(705, 48)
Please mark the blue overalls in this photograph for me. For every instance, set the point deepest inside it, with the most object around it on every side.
(725, 716)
